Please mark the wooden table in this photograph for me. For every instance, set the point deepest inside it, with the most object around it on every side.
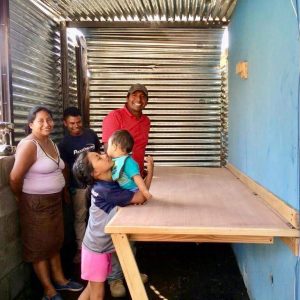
(193, 205)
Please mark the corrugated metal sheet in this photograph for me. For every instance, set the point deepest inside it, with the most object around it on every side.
(207, 11)
(35, 52)
(72, 80)
(181, 68)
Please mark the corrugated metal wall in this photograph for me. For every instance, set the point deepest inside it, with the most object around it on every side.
(181, 68)
(72, 72)
(35, 57)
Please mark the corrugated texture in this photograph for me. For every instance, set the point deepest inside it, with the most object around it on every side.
(72, 72)
(207, 11)
(181, 68)
(35, 53)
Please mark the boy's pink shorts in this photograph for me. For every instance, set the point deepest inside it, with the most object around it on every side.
(95, 266)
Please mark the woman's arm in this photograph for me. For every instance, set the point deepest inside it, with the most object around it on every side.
(66, 191)
(24, 159)
(138, 197)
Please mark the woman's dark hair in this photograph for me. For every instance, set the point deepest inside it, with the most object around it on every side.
(82, 170)
(32, 115)
(123, 139)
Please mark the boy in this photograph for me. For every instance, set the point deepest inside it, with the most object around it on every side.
(125, 171)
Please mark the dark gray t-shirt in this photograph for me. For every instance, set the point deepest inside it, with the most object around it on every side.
(105, 197)
(70, 146)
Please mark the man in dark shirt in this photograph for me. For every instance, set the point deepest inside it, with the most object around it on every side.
(77, 140)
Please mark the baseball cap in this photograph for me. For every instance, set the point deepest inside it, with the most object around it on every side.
(138, 87)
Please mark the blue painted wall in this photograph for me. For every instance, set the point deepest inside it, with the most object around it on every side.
(263, 128)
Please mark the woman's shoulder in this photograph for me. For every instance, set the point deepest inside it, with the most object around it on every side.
(27, 144)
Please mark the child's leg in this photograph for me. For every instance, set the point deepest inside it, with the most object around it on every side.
(96, 290)
(85, 295)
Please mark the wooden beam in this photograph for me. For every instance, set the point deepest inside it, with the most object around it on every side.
(5, 69)
(129, 267)
(82, 81)
(287, 212)
(284, 210)
(64, 64)
(201, 239)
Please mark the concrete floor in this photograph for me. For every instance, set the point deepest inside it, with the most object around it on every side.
(178, 271)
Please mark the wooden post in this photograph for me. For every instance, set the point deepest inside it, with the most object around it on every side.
(5, 73)
(83, 81)
(129, 267)
(64, 64)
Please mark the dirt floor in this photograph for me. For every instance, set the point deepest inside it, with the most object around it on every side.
(178, 271)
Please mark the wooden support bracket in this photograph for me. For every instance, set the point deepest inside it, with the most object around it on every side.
(285, 211)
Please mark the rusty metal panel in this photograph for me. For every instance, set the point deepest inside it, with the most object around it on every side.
(34, 42)
(181, 68)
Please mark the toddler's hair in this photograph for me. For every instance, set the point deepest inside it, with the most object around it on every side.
(82, 170)
(123, 139)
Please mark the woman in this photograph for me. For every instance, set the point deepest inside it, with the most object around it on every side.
(37, 181)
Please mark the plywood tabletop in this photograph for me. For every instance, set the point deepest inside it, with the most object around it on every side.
(200, 201)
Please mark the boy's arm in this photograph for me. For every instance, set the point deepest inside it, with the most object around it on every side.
(149, 169)
(142, 186)
(138, 197)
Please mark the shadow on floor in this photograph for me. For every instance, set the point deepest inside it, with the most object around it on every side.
(179, 271)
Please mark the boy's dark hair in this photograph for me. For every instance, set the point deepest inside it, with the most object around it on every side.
(32, 115)
(82, 170)
(124, 139)
(71, 111)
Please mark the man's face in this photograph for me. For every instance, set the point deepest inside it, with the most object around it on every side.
(136, 102)
(74, 125)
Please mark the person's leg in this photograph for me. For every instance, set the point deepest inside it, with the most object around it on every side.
(116, 272)
(56, 270)
(97, 290)
(80, 212)
(85, 295)
(41, 269)
(115, 278)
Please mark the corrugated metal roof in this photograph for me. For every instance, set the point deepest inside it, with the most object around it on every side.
(206, 11)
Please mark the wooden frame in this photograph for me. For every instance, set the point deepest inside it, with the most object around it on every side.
(194, 205)
(284, 210)
(290, 214)
(82, 80)
(64, 65)
(5, 70)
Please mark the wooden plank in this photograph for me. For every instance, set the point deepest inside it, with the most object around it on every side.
(64, 64)
(200, 201)
(5, 67)
(201, 230)
(129, 267)
(287, 212)
(200, 239)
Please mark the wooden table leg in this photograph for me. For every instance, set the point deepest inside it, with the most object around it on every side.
(129, 266)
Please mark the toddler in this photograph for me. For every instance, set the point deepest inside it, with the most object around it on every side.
(125, 170)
